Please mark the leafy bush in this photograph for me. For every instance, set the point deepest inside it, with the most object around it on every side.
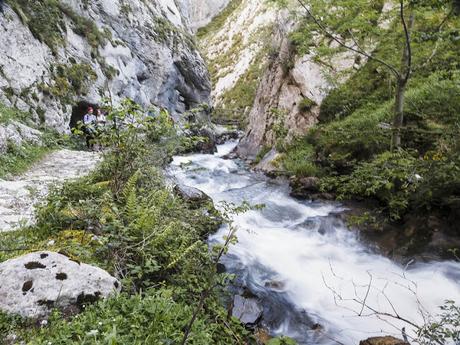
(432, 110)
(8, 114)
(299, 159)
(440, 186)
(154, 318)
(368, 85)
(341, 144)
(442, 329)
(390, 178)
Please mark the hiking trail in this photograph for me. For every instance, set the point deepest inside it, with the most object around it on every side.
(20, 194)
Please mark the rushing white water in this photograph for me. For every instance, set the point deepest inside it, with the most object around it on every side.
(307, 268)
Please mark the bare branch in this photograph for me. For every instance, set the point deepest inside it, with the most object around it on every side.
(344, 45)
(367, 293)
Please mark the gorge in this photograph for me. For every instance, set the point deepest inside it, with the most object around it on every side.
(286, 136)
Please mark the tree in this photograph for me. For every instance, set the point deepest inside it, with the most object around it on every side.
(358, 26)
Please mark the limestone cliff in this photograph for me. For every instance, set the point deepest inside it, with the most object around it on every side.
(257, 74)
(201, 12)
(55, 54)
(234, 48)
(289, 95)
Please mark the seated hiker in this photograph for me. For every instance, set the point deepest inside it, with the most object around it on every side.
(100, 118)
(89, 123)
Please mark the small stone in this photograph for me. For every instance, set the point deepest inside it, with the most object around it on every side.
(247, 310)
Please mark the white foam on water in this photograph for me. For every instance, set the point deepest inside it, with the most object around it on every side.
(326, 274)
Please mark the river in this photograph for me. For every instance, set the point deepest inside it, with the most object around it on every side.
(316, 281)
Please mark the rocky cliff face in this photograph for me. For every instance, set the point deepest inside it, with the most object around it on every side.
(52, 57)
(251, 59)
(235, 53)
(201, 12)
(289, 95)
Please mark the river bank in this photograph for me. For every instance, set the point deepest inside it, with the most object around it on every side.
(306, 268)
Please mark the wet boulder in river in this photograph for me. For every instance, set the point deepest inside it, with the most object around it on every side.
(304, 186)
(191, 195)
(383, 341)
(34, 284)
(247, 310)
(207, 144)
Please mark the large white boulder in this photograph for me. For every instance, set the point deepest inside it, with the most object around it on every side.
(33, 284)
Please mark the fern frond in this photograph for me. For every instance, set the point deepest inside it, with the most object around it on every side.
(185, 253)
(131, 184)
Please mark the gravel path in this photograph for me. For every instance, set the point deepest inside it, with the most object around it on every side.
(19, 195)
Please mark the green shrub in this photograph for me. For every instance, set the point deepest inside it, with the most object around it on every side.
(390, 178)
(299, 159)
(8, 114)
(306, 104)
(124, 219)
(153, 318)
(432, 110)
(18, 159)
(341, 144)
(368, 85)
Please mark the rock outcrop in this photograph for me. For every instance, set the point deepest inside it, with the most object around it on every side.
(201, 12)
(82, 51)
(33, 284)
(236, 46)
(259, 79)
(16, 133)
(289, 94)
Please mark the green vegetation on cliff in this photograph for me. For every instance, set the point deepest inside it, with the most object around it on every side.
(350, 148)
(45, 19)
(219, 20)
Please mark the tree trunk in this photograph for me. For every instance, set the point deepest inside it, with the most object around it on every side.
(398, 118)
(403, 78)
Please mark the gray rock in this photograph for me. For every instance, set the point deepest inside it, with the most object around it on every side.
(33, 284)
(224, 134)
(286, 90)
(208, 145)
(247, 310)
(16, 133)
(191, 194)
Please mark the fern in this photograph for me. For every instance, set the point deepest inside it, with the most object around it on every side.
(185, 253)
(130, 196)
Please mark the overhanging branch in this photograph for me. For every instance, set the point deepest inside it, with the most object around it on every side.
(344, 45)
